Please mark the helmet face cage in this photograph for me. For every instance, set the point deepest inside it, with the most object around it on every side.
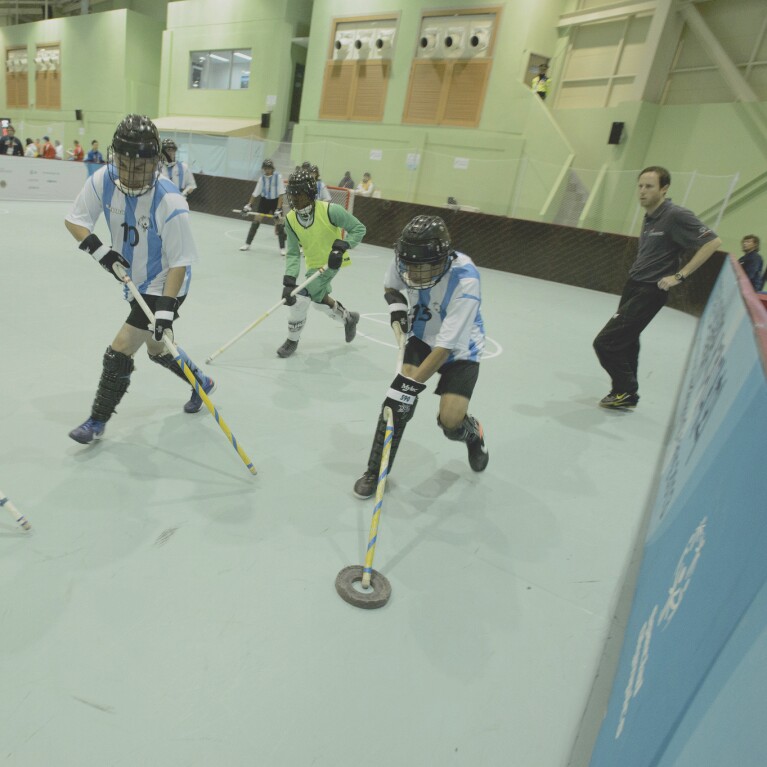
(423, 252)
(301, 190)
(134, 156)
(168, 146)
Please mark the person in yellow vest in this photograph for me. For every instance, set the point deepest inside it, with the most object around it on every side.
(541, 82)
(317, 227)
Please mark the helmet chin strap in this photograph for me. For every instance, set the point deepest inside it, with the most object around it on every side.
(305, 215)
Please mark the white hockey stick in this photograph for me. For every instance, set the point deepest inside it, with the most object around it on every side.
(15, 513)
(253, 324)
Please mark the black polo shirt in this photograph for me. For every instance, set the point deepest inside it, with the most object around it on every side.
(667, 234)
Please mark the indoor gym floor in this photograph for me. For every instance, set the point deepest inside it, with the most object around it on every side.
(170, 609)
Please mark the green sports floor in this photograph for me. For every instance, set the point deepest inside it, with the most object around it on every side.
(170, 609)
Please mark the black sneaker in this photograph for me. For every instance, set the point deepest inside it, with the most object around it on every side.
(287, 348)
(478, 455)
(619, 401)
(350, 326)
(365, 486)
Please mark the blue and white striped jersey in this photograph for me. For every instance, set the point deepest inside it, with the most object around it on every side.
(269, 187)
(151, 231)
(323, 193)
(180, 175)
(447, 315)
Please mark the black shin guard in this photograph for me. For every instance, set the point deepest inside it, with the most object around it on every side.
(252, 232)
(167, 361)
(281, 236)
(115, 378)
(376, 452)
(466, 431)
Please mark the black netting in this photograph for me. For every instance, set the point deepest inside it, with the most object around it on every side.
(578, 257)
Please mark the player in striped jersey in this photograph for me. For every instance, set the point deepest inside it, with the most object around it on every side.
(268, 193)
(434, 295)
(178, 172)
(323, 193)
(148, 221)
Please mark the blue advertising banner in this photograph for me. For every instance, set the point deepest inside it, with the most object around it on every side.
(704, 561)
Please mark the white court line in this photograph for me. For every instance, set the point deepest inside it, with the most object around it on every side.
(487, 354)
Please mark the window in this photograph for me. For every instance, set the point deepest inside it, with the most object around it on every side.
(220, 70)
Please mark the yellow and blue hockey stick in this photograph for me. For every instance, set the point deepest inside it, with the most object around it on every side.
(173, 350)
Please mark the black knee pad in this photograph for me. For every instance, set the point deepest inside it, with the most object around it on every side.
(464, 431)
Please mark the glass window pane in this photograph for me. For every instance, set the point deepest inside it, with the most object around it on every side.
(240, 69)
(219, 69)
(197, 61)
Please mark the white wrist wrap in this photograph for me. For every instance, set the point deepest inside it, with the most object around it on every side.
(398, 308)
(164, 315)
(101, 252)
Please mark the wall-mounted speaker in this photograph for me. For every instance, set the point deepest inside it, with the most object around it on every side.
(616, 133)
(79, 115)
(266, 119)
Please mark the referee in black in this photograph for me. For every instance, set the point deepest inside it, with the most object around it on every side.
(668, 232)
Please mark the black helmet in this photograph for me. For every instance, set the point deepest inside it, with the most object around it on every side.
(424, 252)
(314, 169)
(267, 164)
(134, 155)
(301, 183)
(168, 146)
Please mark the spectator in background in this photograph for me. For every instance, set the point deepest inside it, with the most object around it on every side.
(541, 82)
(31, 149)
(48, 151)
(751, 261)
(10, 145)
(94, 155)
(59, 150)
(365, 188)
(347, 182)
(76, 152)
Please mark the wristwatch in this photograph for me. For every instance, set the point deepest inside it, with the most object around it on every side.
(679, 276)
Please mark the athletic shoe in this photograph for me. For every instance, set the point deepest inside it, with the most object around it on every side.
(350, 326)
(85, 433)
(617, 401)
(365, 486)
(195, 401)
(478, 455)
(287, 348)
(282, 251)
(246, 246)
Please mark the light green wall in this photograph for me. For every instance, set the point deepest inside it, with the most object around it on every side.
(511, 124)
(110, 67)
(263, 26)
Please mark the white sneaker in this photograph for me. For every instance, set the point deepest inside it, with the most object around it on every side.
(245, 246)
(282, 251)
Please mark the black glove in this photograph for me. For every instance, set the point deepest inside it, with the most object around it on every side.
(289, 285)
(402, 398)
(164, 314)
(103, 254)
(397, 309)
(336, 257)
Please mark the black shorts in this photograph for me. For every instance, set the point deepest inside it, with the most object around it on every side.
(267, 206)
(137, 318)
(458, 377)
